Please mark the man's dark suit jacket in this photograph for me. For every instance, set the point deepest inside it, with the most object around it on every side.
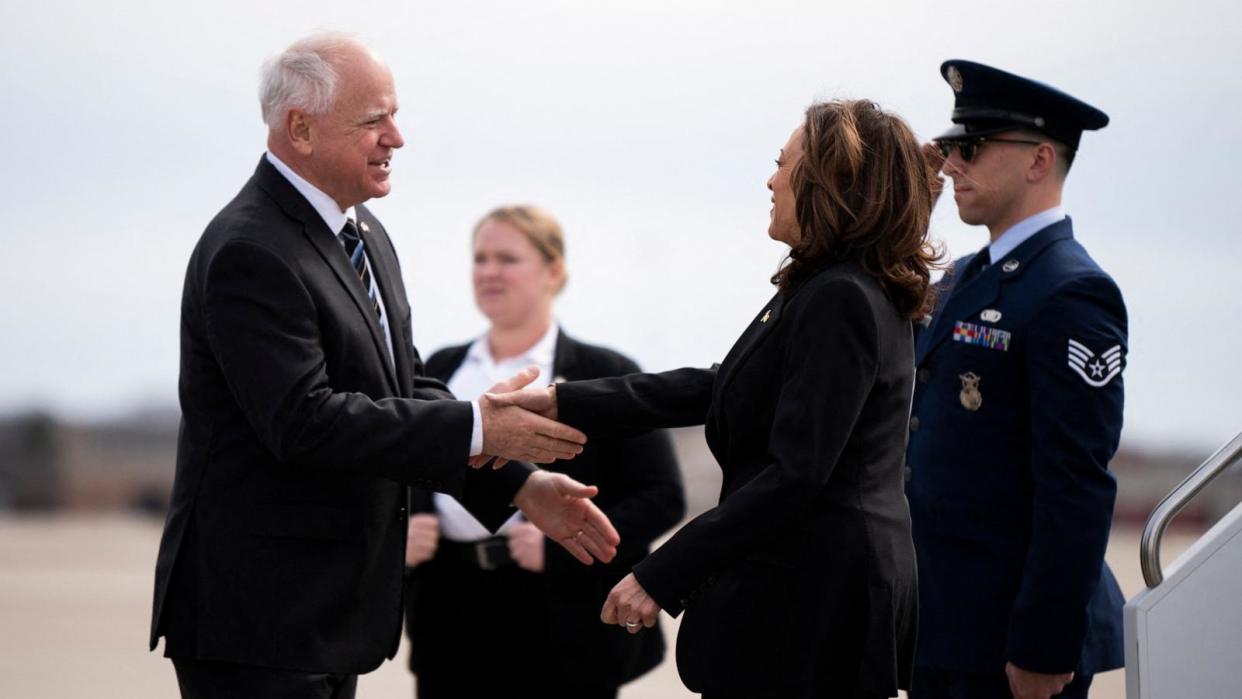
(801, 582)
(640, 491)
(284, 545)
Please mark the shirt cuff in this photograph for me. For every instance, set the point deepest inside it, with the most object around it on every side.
(476, 432)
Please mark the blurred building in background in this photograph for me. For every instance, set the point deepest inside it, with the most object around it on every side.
(128, 464)
(125, 464)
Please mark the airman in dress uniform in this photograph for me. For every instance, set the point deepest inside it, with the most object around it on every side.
(1017, 412)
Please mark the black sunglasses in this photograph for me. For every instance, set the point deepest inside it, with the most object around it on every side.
(968, 147)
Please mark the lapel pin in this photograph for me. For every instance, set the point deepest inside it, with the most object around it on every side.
(970, 397)
(991, 315)
(1010, 265)
(766, 314)
(363, 225)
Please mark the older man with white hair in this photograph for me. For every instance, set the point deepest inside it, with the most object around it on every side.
(305, 411)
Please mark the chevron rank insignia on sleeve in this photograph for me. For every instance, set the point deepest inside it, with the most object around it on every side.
(1097, 371)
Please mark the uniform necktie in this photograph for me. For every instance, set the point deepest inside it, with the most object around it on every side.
(356, 249)
(977, 265)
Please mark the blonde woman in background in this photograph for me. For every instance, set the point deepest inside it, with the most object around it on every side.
(509, 615)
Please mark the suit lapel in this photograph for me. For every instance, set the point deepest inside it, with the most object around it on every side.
(565, 359)
(759, 328)
(329, 248)
(985, 287)
(960, 301)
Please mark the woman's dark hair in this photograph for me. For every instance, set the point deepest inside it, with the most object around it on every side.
(863, 192)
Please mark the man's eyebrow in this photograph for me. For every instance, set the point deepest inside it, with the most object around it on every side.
(376, 114)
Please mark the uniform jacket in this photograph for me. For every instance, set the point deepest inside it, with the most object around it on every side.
(284, 544)
(801, 582)
(1012, 500)
(640, 491)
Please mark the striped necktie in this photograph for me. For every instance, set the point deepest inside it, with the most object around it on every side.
(356, 249)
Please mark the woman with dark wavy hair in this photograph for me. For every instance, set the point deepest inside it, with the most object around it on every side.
(801, 581)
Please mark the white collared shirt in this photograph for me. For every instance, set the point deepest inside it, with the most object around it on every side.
(334, 218)
(478, 372)
(1020, 231)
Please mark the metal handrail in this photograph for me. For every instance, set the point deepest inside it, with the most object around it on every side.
(1149, 549)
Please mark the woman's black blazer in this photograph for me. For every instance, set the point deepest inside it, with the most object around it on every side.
(801, 582)
(640, 490)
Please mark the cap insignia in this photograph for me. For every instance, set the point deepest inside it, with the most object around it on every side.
(955, 78)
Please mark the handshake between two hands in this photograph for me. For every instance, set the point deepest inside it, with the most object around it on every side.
(519, 423)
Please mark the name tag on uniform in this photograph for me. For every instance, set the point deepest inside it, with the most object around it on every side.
(971, 334)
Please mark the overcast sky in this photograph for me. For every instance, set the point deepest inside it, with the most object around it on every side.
(648, 128)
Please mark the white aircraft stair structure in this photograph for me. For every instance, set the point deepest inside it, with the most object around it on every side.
(1184, 632)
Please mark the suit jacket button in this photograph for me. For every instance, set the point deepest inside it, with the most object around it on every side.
(924, 375)
(914, 423)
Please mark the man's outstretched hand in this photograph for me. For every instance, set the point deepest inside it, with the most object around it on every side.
(523, 421)
(516, 382)
(562, 509)
(541, 401)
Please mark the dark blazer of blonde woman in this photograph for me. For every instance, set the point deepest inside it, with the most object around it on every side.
(555, 645)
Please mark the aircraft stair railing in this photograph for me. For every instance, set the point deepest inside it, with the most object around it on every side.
(1184, 632)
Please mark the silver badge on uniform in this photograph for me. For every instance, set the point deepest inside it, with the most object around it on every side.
(1096, 371)
(991, 315)
(1010, 265)
(970, 396)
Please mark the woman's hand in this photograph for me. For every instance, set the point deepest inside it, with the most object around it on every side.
(526, 546)
(629, 606)
(422, 539)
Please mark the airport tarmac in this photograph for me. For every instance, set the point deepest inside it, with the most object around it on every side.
(75, 605)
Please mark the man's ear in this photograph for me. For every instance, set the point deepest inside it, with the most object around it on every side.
(1044, 163)
(300, 131)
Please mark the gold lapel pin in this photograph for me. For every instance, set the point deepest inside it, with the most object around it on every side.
(766, 314)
